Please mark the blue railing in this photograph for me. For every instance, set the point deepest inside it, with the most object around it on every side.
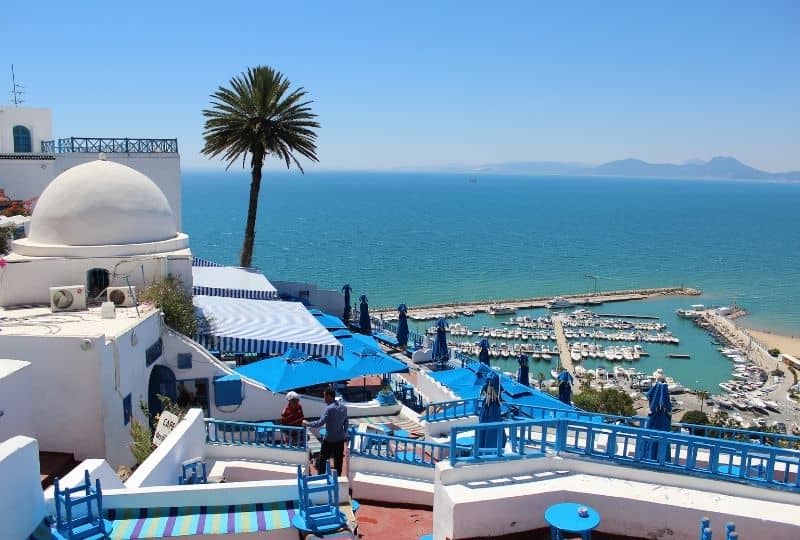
(451, 410)
(263, 434)
(664, 451)
(114, 145)
(396, 449)
(414, 338)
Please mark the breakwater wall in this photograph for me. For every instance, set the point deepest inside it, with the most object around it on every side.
(443, 309)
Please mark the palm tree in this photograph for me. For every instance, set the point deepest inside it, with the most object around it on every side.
(258, 115)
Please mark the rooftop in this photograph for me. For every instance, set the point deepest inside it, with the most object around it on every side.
(41, 321)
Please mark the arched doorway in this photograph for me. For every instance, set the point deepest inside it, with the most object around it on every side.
(97, 280)
(162, 382)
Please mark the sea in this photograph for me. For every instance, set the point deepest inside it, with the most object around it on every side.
(421, 238)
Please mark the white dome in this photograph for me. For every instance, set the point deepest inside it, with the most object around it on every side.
(101, 203)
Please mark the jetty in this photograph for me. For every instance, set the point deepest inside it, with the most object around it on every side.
(563, 346)
(435, 311)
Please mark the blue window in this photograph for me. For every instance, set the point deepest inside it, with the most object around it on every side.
(127, 409)
(22, 139)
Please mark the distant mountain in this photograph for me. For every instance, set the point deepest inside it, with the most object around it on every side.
(718, 167)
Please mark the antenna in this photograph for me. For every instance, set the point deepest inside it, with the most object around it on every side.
(16, 89)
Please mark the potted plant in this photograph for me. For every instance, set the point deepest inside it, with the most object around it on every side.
(385, 396)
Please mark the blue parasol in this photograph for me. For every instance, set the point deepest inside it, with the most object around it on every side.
(522, 372)
(660, 416)
(347, 313)
(440, 353)
(565, 387)
(402, 326)
(364, 325)
(292, 370)
(483, 356)
(490, 412)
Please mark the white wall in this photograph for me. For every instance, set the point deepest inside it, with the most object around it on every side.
(21, 500)
(38, 121)
(65, 391)
(123, 371)
(328, 301)
(77, 394)
(516, 494)
(16, 403)
(28, 280)
(163, 466)
(26, 178)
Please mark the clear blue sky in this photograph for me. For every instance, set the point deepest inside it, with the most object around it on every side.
(429, 83)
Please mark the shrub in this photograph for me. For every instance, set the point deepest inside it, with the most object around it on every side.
(142, 444)
(774, 352)
(170, 296)
(607, 401)
(6, 237)
(696, 417)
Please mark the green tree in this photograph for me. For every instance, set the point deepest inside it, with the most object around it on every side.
(606, 401)
(702, 395)
(257, 115)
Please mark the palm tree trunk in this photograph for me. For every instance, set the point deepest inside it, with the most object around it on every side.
(252, 210)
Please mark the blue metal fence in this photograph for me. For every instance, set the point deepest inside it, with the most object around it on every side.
(112, 145)
(451, 410)
(396, 449)
(626, 445)
(264, 434)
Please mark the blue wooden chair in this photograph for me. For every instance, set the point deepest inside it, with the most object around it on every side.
(85, 502)
(193, 471)
(324, 517)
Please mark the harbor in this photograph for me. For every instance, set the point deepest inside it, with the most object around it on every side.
(629, 352)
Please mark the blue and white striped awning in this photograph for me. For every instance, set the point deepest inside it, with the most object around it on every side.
(233, 282)
(197, 261)
(240, 325)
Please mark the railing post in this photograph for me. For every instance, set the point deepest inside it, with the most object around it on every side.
(561, 435)
(705, 523)
(126, 145)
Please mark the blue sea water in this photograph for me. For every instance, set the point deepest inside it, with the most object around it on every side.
(423, 238)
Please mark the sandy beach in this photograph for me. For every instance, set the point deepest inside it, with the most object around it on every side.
(786, 344)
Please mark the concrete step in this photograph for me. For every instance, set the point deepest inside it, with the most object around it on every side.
(391, 489)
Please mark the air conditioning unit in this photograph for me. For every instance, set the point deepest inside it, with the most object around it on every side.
(68, 298)
(122, 296)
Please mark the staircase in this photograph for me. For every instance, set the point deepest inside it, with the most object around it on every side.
(54, 465)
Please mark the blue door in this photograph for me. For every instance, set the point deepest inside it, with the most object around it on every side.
(162, 382)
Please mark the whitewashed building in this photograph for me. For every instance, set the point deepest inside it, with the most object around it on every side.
(30, 157)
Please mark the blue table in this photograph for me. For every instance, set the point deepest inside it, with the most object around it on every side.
(564, 517)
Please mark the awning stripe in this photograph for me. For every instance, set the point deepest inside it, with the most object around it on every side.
(235, 293)
(232, 282)
(240, 325)
(197, 261)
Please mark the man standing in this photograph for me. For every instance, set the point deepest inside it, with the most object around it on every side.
(334, 418)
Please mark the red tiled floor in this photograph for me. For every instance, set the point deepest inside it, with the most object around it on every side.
(384, 523)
